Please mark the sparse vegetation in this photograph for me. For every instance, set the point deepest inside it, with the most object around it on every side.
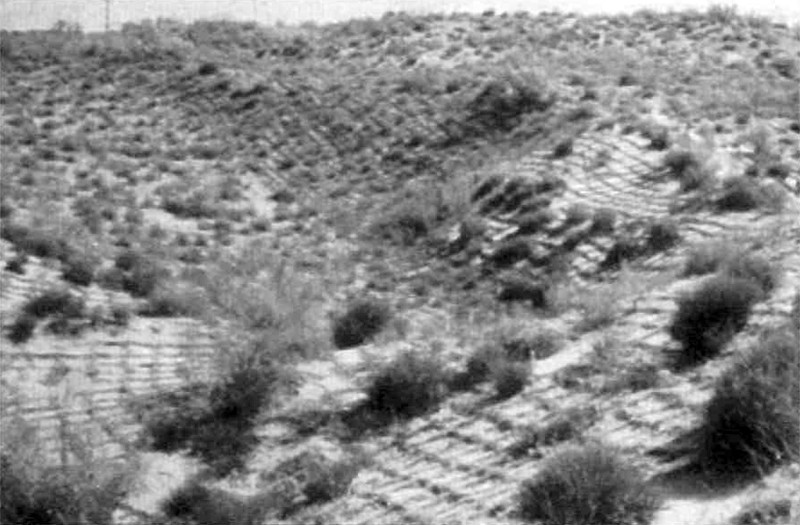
(591, 484)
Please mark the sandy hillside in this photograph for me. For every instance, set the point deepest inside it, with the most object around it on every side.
(428, 269)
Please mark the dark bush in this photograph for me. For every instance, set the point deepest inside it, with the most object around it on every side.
(533, 222)
(741, 194)
(408, 386)
(140, 275)
(752, 422)
(54, 302)
(207, 68)
(363, 320)
(603, 221)
(587, 485)
(662, 234)
(708, 318)
(624, 249)
(519, 289)
(563, 148)
(21, 330)
(501, 102)
(215, 424)
(510, 378)
(510, 252)
(686, 166)
(78, 270)
(17, 264)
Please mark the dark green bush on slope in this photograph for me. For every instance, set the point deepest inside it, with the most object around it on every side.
(362, 320)
(708, 318)
(588, 485)
(752, 422)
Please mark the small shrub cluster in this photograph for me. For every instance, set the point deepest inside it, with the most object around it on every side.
(752, 422)
(363, 320)
(587, 485)
(410, 385)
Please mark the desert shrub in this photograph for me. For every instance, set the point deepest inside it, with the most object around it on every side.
(138, 274)
(361, 321)
(17, 263)
(688, 168)
(511, 251)
(603, 221)
(743, 193)
(752, 422)
(533, 222)
(662, 234)
(501, 102)
(708, 318)
(410, 385)
(36, 242)
(173, 301)
(33, 492)
(21, 330)
(53, 302)
(709, 257)
(754, 268)
(510, 377)
(764, 512)
(578, 213)
(196, 504)
(522, 289)
(623, 249)
(207, 68)
(78, 270)
(215, 424)
(405, 225)
(563, 148)
(587, 485)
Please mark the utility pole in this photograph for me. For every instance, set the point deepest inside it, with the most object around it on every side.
(255, 11)
(108, 15)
